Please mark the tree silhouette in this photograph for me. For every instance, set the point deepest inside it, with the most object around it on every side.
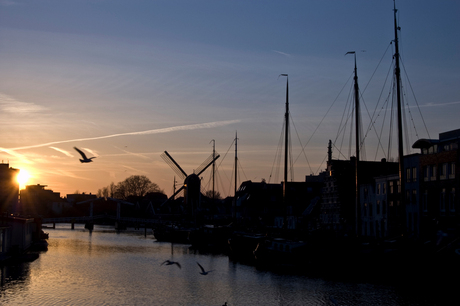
(135, 185)
(217, 195)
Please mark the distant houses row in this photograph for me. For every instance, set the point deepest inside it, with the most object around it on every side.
(426, 207)
(423, 206)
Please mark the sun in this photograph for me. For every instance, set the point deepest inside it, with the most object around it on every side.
(23, 178)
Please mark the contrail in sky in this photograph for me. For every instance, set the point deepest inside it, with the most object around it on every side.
(282, 53)
(13, 153)
(156, 131)
(62, 151)
(439, 104)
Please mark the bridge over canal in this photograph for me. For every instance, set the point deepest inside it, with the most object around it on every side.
(89, 221)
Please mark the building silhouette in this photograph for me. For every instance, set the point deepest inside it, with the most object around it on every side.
(9, 189)
(439, 183)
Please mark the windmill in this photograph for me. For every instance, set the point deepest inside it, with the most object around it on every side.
(192, 182)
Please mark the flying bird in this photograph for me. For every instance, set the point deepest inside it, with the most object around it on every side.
(83, 155)
(169, 262)
(203, 271)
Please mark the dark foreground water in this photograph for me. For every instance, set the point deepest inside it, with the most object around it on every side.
(108, 268)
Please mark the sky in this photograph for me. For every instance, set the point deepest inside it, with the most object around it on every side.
(127, 80)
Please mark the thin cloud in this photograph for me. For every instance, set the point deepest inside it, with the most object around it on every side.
(282, 53)
(10, 105)
(68, 174)
(9, 3)
(134, 169)
(133, 154)
(62, 151)
(90, 151)
(440, 104)
(190, 127)
(429, 104)
(15, 154)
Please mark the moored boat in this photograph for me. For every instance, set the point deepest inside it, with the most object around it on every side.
(211, 237)
(282, 252)
(243, 244)
(172, 233)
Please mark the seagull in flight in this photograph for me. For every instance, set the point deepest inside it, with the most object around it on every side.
(83, 155)
(169, 262)
(203, 271)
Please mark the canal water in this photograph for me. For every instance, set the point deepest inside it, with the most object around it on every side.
(104, 267)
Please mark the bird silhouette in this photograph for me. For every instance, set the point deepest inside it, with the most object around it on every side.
(83, 155)
(203, 271)
(169, 262)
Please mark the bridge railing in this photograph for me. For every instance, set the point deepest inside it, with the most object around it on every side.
(89, 219)
(67, 219)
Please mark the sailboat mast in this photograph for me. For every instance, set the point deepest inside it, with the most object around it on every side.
(236, 161)
(286, 140)
(213, 167)
(236, 174)
(356, 87)
(357, 144)
(398, 93)
(357, 111)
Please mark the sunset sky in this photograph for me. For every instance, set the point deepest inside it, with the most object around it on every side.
(127, 80)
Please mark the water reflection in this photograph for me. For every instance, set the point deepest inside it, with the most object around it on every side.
(14, 275)
(106, 268)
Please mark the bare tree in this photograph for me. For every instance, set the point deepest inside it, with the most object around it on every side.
(135, 185)
(217, 195)
(112, 190)
(105, 192)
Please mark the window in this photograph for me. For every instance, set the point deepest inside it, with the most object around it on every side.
(452, 200)
(378, 188)
(425, 201)
(408, 175)
(443, 171)
(391, 187)
(399, 186)
(433, 172)
(384, 187)
(409, 221)
(378, 207)
(414, 197)
(442, 202)
(426, 173)
(414, 174)
(452, 170)
(384, 207)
